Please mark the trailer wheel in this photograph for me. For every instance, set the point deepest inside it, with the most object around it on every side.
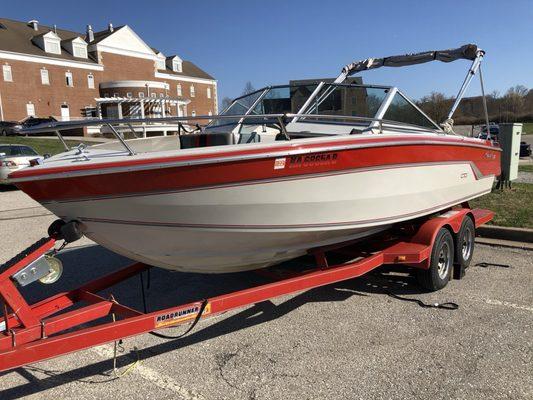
(464, 249)
(440, 262)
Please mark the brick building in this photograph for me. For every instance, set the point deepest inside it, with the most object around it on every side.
(112, 73)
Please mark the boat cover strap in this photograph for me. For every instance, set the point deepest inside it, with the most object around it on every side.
(467, 52)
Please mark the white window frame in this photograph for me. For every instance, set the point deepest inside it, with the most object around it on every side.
(129, 95)
(45, 76)
(52, 46)
(80, 48)
(210, 113)
(208, 92)
(192, 91)
(178, 90)
(90, 81)
(141, 95)
(69, 79)
(193, 113)
(8, 73)
(176, 66)
(153, 95)
(160, 63)
(30, 109)
(161, 95)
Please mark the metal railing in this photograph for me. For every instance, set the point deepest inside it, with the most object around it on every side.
(259, 119)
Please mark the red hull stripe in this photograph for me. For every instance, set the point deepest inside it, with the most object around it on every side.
(475, 172)
(294, 226)
(485, 159)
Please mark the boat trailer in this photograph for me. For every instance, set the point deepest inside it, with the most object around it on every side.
(35, 332)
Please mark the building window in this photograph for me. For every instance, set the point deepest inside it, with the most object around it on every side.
(79, 50)
(129, 95)
(8, 76)
(30, 110)
(161, 64)
(193, 93)
(161, 95)
(68, 79)
(176, 66)
(209, 113)
(90, 81)
(193, 113)
(178, 89)
(52, 46)
(208, 92)
(141, 95)
(152, 95)
(45, 79)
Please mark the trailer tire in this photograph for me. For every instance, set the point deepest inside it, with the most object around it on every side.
(440, 263)
(464, 244)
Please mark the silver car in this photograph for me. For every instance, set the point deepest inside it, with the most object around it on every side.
(14, 157)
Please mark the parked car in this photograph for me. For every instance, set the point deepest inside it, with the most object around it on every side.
(15, 128)
(525, 149)
(8, 128)
(14, 157)
(493, 129)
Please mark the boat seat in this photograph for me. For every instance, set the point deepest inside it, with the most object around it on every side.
(205, 140)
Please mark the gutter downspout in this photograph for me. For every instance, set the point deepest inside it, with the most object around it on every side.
(1, 108)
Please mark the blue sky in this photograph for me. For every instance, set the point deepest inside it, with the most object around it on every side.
(271, 42)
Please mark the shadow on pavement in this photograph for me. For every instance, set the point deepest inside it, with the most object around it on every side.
(173, 288)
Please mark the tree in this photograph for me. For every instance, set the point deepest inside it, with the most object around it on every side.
(248, 88)
(225, 103)
(436, 105)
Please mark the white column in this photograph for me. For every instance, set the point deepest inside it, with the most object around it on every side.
(142, 108)
(119, 105)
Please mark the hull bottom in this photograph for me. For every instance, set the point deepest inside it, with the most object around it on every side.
(227, 251)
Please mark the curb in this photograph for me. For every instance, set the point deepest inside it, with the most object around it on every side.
(505, 243)
(506, 233)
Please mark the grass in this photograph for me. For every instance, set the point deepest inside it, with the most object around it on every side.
(525, 168)
(40, 145)
(512, 207)
(527, 128)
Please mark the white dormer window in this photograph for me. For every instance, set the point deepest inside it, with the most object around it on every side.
(193, 92)
(51, 45)
(160, 63)
(208, 92)
(178, 89)
(176, 65)
(79, 50)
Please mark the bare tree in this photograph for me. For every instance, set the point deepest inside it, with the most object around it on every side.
(225, 103)
(436, 105)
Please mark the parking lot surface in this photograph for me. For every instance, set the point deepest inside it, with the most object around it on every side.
(344, 341)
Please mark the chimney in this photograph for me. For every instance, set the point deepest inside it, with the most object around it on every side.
(55, 28)
(90, 34)
(34, 24)
(110, 27)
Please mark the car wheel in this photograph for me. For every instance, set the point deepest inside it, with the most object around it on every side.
(4, 132)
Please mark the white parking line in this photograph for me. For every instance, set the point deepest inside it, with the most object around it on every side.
(151, 375)
(507, 304)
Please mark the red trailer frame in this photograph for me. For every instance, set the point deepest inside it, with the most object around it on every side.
(33, 332)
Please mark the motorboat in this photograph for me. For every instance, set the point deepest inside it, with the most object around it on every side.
(282, 170)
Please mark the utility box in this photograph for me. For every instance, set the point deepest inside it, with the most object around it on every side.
(509, 138)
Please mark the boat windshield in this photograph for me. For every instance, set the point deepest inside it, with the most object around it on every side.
(285, 99)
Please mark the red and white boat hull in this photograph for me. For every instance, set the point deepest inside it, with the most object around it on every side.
(255, 212)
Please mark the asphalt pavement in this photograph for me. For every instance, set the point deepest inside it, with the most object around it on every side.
(343, 341)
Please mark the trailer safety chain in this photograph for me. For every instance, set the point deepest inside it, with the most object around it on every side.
(161, 335)
(117, 346)
(445, 306)
(486, 265)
